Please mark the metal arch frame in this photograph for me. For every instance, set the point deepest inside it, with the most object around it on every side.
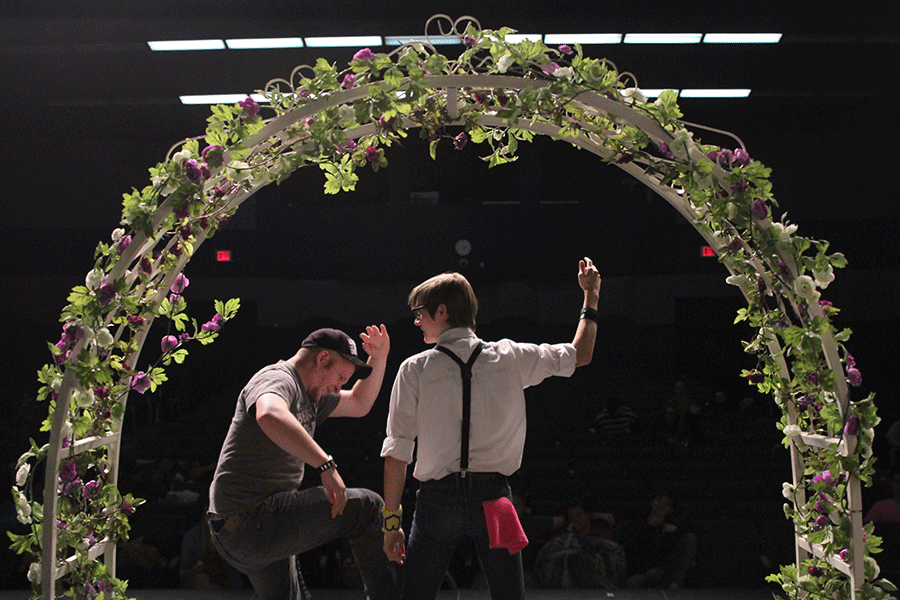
(275, 133)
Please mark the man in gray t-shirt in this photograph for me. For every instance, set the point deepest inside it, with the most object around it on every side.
(258, 517)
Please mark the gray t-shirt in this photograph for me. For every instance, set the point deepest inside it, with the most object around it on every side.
(251, 466)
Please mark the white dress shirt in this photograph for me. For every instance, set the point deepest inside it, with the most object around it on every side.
(426, 403)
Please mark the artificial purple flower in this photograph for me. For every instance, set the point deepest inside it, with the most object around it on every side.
(192, 170)
(387, 124)
(468, 41)
(89, 489)
(146, 265)
(101, 392)
(566, 49)
(625, 158)
(349, 81)
(480, 97)
(373, 154)
(851, 362)
(348, 147)
(724, 157)
(185, 232)
(60, 524)
(550, 68)
(72, 333)
(183, 337)
(824, 477)
(250, 106)
(213, 155)
(816, 571)
(124, 241)
(760, 209)
(664, 148)
(813, 377)
(824, 504)
(823, 304)
(127, 508)
(136, 320)
(214, 324)
(68, 473)
(852, 427)
(741, 157)
(59, 359)
(140, 382)
(756, 377)
(854, 377)
(502, 99)
(460, 141)
(168, 343)
(821, 521)
(364, 54)
(72, 488)
(844, 554)
(105, 587)
(180, 283)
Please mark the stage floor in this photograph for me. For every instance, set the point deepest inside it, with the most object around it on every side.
(686, 594)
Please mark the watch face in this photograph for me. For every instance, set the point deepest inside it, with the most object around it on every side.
(463, 247)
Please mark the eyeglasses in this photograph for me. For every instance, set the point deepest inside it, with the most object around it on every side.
(417, 312)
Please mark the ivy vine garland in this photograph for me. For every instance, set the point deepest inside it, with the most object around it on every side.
(342, 120)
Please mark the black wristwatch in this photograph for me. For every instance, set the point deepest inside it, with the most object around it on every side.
(329, 464)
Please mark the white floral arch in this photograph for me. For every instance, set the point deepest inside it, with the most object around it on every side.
(497, 93)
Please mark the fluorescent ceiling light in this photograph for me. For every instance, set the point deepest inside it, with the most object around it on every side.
(654, 93)
(164, 46)
(715, 93)
(344, 41)
(219, 98)
(437, 40)
(515, 38)
(583, 38)
(264, 43)
(742, 38)
(663, 38)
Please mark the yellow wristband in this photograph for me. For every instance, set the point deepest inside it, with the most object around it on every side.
(391, 519)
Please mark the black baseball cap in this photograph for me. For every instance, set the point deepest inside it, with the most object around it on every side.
(338, 341)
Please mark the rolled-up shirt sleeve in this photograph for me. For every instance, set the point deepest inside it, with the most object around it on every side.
(401, 432)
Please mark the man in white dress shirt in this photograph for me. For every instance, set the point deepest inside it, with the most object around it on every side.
(427, 408)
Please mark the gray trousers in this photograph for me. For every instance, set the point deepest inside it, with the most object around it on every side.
(263, 542)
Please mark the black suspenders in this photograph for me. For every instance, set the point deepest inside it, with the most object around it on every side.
(466, 371)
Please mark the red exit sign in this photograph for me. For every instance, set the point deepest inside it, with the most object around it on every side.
(223, 256)
(707, 251)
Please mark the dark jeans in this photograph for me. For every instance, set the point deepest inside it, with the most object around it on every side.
(263, 542)
(445, 514)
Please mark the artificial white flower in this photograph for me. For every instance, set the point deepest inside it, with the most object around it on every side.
(34, 573)
(870, 566)
(681, 143)
(505, 62)
(806, 288)
(742, 281)
(784, 232)
(83, 398)
(565, 73)
(633, 94)
(93, 279)
(238, 171)
(117, 234)
(788, 490)
(346, 112)
(23, 509)
(180, 157)
(55, 384)
(22, 474)
(823, 278)
(169, 187)
(104, 338)
(792, 431)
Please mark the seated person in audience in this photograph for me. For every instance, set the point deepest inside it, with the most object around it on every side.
(887, 510)
(616, 419)
(658, 553)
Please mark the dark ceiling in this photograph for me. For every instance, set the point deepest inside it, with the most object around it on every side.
(89, 107)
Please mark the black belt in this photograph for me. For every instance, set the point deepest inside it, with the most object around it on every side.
(467, 480)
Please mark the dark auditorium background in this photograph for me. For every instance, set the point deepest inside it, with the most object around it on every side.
(89, 108)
